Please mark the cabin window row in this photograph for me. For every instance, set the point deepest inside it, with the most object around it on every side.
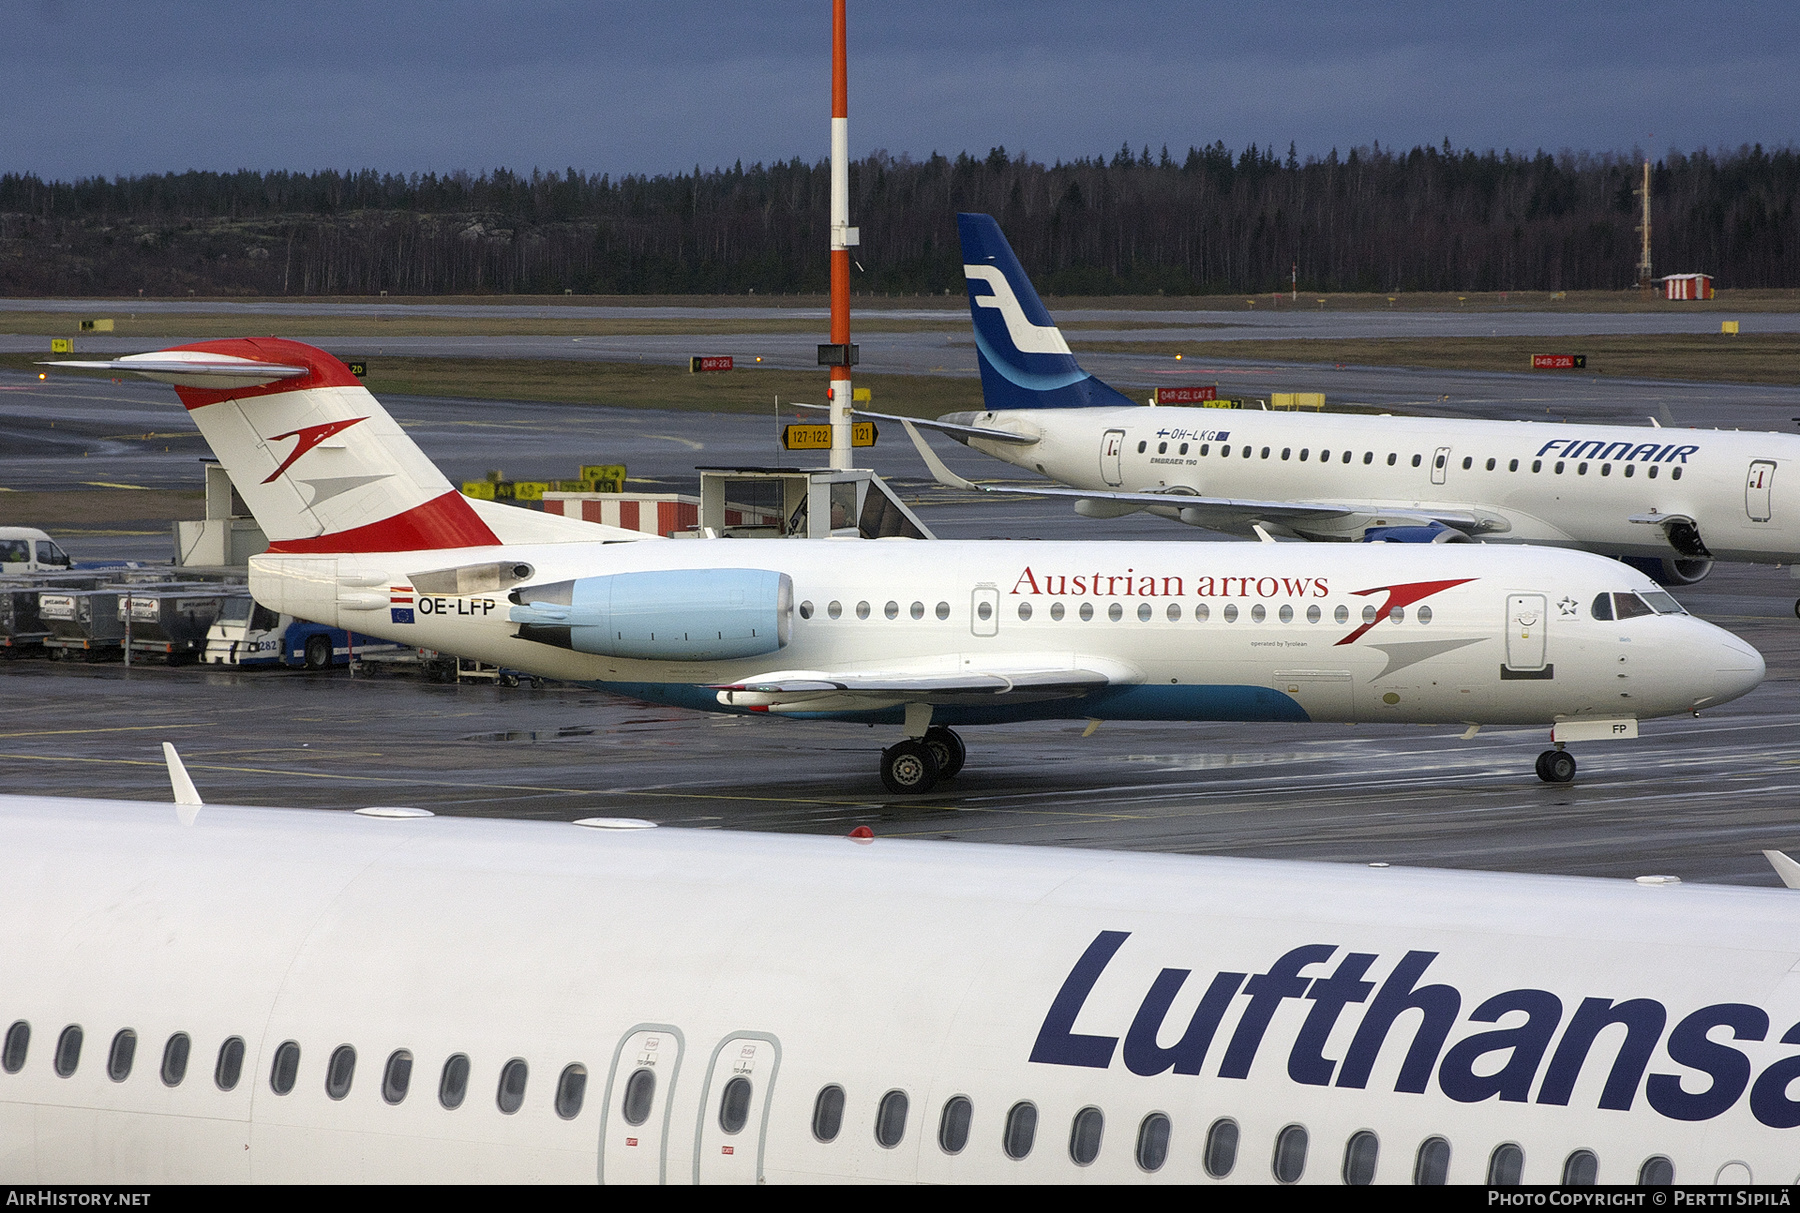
(1219, 1152)
(284, 1069)
(1249, 451)
(1144, 611)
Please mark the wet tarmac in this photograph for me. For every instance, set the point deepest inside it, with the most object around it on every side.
(1697, 798)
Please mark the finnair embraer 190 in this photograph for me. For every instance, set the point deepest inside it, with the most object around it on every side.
(232, 995)
(1670, 501)
(366, 534)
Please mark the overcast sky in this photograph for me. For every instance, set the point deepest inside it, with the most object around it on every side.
(103, 87)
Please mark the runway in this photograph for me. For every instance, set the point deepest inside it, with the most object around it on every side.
(1697, 798)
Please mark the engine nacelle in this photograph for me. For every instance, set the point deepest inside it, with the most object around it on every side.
(1672, 570)
(667, 615)
(1433, 532)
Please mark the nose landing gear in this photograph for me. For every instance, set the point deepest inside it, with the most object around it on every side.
(1556, 766)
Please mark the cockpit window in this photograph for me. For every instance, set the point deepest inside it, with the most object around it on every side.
(1630, 606)
(1661, 603)
(1603, 606)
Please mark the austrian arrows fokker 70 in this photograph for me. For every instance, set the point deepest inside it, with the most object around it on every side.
(1669, 501)
(366, 534)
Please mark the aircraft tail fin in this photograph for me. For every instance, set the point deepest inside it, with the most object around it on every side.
(1025, 363)
(319, 462)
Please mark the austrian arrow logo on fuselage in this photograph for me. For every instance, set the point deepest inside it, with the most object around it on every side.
(1398, 597)
(308, 437)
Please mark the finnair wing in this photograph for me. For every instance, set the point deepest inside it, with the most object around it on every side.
(960, 432)
(853, 690)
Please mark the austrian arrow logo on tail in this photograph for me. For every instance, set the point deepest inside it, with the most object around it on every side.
(309, 436)
(1400, 596)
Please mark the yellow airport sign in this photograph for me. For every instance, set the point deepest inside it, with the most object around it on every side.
(861, 395)
(812, 437)
(529, 490)
(61, 345)
(96, 326)
(606, 477)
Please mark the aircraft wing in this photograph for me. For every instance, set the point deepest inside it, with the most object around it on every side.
(1213, 513)
(960, 432)
(863, 690)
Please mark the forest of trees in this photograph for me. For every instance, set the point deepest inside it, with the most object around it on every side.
(1131, 223)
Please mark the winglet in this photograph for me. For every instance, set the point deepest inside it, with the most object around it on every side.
(187, 799)
(934, 465)
(1787, 869)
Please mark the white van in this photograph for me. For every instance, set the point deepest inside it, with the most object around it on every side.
(26, 549)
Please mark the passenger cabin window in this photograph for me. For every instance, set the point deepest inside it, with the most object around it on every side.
(230, 1066)
(1141, 447)
(890, 1119)
(175, 1059)
(68, 1051)
(1360, 1155)
(1085, 1134)
(1657, 1172)
(396, 1076)
(1432, 1167)
(571, 1090)
(1024, 611)
(806, 610)
(734, 1104)
(1417, 460)
(1469, 462)
(1221, 1148)
(862, 610)
(285, 1068)
(509, 1096)
(340, 1071)
(918, 610)
(121, 1055)
(640, 1093)
(1153, 1142)
(828, 1112)
(953, 1124)
(1289, 1162)
(1512, 465)
(18, 1043)
(1021, 1130)
(1581, 1169)
(1490, 465)
(891, 610)
(1162, 448)
(943, 610)
(1505, 1166)
(453, 1084)
(1391, 458)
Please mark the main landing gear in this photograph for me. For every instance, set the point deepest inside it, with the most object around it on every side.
(1556, 766)
(917, 765)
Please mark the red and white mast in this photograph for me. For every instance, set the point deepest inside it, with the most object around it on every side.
(840, 355)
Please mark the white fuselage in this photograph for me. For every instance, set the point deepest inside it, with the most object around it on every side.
(1182, 631)
(1526, 482)
(558, 962)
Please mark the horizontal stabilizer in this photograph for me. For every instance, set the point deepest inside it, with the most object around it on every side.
(192, 368)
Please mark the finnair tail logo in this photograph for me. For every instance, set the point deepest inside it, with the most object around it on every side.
(1028, 337)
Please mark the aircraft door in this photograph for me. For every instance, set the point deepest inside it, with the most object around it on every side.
(1440, 465)
(634, 1123)
(1112, 445)
(1757, 489)
(984, 611)
(734, 1110)
(1526, 617)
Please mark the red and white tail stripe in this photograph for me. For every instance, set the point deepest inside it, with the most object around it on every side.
(320, 463)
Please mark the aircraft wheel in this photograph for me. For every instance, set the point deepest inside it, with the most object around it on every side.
(537, 684)
(909, 767)
(1556, 766)
(318, 652)
(509, 680)
(1797, 608)
(948, 749)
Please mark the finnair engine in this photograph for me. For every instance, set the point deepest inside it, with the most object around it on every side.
(665, 615)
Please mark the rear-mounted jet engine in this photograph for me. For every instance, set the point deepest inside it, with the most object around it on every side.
(668, 615)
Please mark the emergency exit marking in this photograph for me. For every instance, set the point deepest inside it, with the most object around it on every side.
(726, 1150)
